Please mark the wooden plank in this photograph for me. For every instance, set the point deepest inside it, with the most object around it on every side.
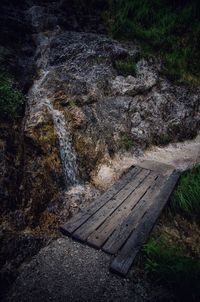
(126, 256)
(156, 166)
(75, 222)
(99, 217)
(98, 237)
(121, 234)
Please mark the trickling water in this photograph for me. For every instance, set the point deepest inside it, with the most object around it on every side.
(39, 97)
(67, 153)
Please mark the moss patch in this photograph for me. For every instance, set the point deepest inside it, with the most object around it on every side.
(125, 67)
(126, 142)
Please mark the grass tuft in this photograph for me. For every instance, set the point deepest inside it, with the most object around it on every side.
(126, 142)
(170, 266)
(11, 99)
(126, 67)
(186, 198)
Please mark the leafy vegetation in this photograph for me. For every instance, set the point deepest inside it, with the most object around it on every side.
(168, 28)
(186, 198)
(126, 67)
(170, 265)
(11, 99)
(126, 141)
(168, 262)
(162, 139)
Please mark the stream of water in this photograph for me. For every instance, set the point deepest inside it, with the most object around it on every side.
(68, 157)
(67, 152)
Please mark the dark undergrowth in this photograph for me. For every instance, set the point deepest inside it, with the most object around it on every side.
(125, 67)
(11, 99)
(170, 29)
(186, 198)
(166, 260)
(169, 265)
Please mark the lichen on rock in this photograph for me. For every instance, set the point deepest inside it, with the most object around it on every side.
(82, 112)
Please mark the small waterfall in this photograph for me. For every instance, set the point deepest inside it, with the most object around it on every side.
(68, 157)
(39, 94)
(67, 153)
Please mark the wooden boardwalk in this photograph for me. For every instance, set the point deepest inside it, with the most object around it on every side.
(119, 222)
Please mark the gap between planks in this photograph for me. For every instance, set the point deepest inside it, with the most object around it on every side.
(121, 219)
(123, 261)
(76, 221)
(98, 237)
(85, 230)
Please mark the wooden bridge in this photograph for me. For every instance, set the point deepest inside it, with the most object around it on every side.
(119, 222)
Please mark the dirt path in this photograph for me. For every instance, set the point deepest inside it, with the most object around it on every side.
(68, 271)
(180, 155)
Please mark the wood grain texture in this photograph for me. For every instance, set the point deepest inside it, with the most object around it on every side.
(156, 166)
(76, 221)
(99, 217)
(123, 261)
(121, 234)
(119, 221)
(98, 237)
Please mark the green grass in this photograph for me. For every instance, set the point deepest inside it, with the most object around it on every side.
(72, 104)
(170, 29)
(170, 266)
(167, 262)
(186, 198)
(126, 142)
(11, 99)
(125, 67)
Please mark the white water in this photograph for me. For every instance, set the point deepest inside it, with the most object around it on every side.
(180, 155)
(38, 98)
(67, 152)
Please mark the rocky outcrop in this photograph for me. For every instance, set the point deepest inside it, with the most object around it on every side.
(106, 112)
(82, 113)
(81, 110)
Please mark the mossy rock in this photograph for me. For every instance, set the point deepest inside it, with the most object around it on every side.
(89, 153)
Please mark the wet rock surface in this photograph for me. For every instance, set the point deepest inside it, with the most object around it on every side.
(103, 111)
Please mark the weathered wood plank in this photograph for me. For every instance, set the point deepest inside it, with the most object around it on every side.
(99, 217)
(123, 231)
(75, 222)
(126, 256)
(98, 237)
(156, 166)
